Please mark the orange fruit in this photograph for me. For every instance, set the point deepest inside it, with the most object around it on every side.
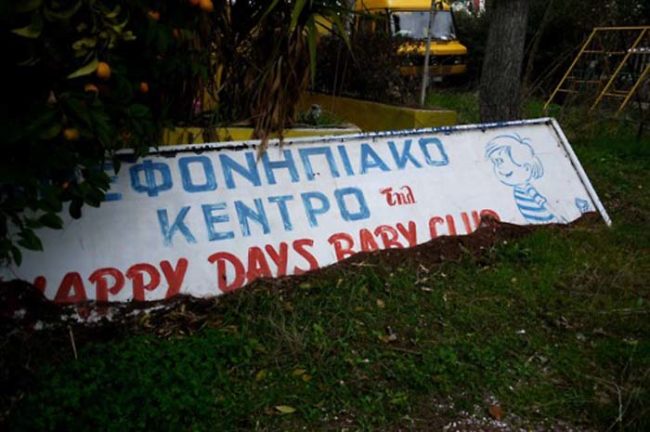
(71, 134)
(206, 5)
(144, 87)
(103, 70)
(194, 2)
(153, 15)
(91, 88)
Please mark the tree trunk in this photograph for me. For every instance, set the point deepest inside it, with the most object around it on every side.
(535, 43)
(500, 88)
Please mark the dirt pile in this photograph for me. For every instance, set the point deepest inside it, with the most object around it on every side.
(23, 305)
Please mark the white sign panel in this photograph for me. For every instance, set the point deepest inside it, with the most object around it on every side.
(204, 220)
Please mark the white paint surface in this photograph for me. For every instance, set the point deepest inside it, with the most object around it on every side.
(451, 177)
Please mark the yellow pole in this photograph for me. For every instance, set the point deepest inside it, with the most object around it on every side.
(618, 69)
(586, 44)
(633, 89)
(621, 28)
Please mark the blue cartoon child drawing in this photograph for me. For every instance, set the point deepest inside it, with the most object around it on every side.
(516, 165)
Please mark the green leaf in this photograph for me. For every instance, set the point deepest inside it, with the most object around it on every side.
(94, 197)
(51, 132)
(336, 19)
(261, 375)
(29, 62)
(285, 409)
(33, 30)
(295, 14)
(269, 9)
(28, 5)
(128, 36)
(50, 201)
(17, 255)
(85, 70)
(32, 223)
(75, 208)
(96, 177)
(114, 13)
(51, 220)
(63, 15)
(84, 44)
(138, 111)
(117, 164)
(80, 111)
(41, 119)
(29, 240)
(117, 28)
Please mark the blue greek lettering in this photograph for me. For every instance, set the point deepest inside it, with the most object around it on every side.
(178, 225)
(370, 159)
(153, 183)
(111, 196)
(442, 156)
(210, 183)
(250, 173)
(401, 160)
(287, 163)
(211, 219)
(363, 211)
(312, 211)
(305, 153)
(245, 213)
(281, 201)
(346, 160)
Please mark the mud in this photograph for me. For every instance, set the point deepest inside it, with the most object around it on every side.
(32, 327)
(24, 306)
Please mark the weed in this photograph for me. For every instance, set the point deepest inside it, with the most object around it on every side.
(554, 325)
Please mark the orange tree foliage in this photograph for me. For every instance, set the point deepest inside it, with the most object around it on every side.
(85, 78)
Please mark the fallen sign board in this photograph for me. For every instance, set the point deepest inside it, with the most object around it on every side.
(204, 220)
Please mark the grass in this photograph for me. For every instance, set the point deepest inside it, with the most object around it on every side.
(465, 104)
(555, 325)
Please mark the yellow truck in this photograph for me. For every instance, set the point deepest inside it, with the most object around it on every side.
(408, 22)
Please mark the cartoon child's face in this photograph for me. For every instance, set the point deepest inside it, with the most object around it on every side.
(507, 170)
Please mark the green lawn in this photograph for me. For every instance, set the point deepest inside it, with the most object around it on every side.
(555, 325)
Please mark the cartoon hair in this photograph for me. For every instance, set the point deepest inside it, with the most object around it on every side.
(519, 150)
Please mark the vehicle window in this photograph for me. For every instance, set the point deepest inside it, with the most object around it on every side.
(415, 25)
(443, 26)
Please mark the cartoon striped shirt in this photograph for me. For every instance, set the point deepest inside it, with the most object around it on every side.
(532, 205)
